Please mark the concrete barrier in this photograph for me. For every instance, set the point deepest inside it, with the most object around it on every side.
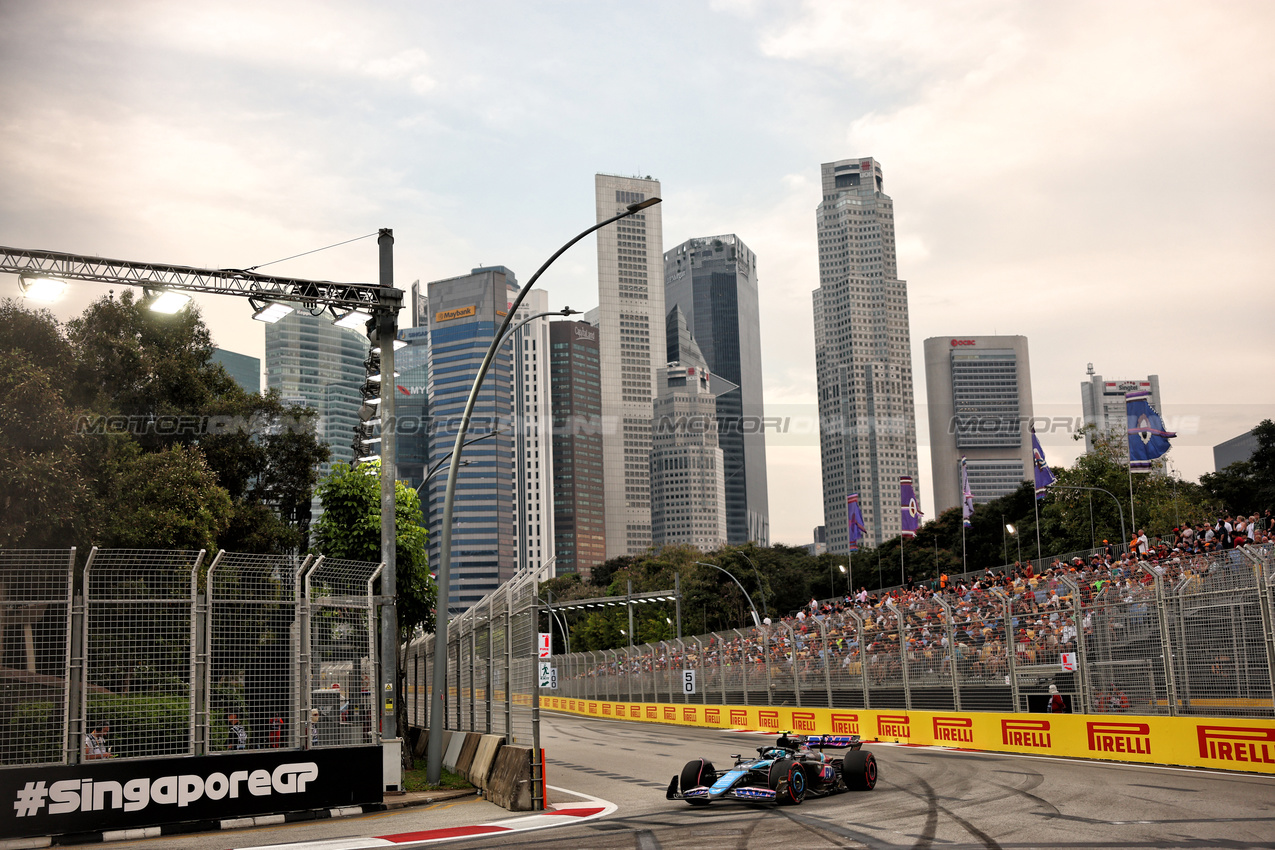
(509, 784)
(484, 758)
(451, 752)
(465, 758)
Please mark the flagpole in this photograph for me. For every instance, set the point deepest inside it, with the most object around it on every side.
(1036, 509)
(964, 566)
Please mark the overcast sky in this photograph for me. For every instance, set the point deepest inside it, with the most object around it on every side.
(1098, 176)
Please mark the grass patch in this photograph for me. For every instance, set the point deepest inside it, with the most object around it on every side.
(414, 780)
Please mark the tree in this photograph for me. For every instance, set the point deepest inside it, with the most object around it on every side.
(165, 500)
(351, 528)
(1247, 486)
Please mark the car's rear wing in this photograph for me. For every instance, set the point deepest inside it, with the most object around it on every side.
(853, 742)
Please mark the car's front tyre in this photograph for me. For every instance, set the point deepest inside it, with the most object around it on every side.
(697, 773)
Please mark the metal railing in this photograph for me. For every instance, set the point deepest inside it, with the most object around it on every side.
(1192, 637)
(147, 653)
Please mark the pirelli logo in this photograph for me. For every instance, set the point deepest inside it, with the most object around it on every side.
(606, 708)
(953, 730)
(845, 724)
(689, 715)
(670, 712)
(458, 313)
(593, 708)
(1113, 737)
(738, 717)
(650, 713)
(894, 726)
(803, 721)
(768, 719)
(1026, 733)
(1237, 744)
(712, 715)
(619, 711)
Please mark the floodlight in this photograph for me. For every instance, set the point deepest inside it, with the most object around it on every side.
(355, 320)
(168, 301)
(272, 312)
(41, 288)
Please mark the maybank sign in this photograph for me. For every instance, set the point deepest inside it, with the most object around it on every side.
(457, 313)
(1233, 744)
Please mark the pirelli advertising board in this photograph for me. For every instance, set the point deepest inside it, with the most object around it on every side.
(1228, 743)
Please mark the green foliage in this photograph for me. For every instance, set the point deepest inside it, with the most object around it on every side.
(32, 733)
(167, 499)
(144, 724)
(1248, 485)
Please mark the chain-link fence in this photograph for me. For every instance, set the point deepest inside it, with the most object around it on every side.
(492, 679)
(146, 653)
(1100, 637)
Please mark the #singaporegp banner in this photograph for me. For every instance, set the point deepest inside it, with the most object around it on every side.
(1245, 744)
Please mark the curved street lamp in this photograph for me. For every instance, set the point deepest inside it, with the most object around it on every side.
(756, 619)
(434, 771)
(1124, 538)
(761, 588)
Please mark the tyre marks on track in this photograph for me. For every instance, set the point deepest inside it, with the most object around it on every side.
(933, 809)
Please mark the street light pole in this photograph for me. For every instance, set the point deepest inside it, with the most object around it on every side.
(1124, 538)
(761, 589)
(434, 771)
(756, 619)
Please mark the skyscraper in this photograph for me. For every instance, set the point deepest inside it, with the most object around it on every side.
(1103, 403)
(533, 448)
(863, 358)
(979, 394)
(579, 512)
(464, 313)
(310, 361)
(714, 282)
(688, 492)
(630, 317)
(245, 370)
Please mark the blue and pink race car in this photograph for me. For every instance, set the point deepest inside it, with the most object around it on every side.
(786, 773)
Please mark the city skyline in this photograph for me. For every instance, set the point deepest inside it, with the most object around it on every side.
(1027, 148)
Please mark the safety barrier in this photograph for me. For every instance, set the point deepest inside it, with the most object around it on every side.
(1226, 743)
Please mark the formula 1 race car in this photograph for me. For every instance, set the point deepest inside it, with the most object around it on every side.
(786, 773)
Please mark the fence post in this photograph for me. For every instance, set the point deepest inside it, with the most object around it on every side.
(1011, 647)
(949, 631)
(73, 693)
(765, 648)
(203, 665)
(304, 733)
(863, 656)
(192, 691)
(1084, 687)
(1166, 644)
(537, 755)
(900, 627)
(508, 675)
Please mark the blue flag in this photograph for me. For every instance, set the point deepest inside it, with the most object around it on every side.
(1147, 438)
(1044, 477)
(911, 510)
(854, 516)
(967, 496)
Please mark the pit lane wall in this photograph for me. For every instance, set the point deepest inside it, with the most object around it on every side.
(1226, 743)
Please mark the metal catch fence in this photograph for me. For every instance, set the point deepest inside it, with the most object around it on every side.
(147, 653)
(1192, 637)
(492, 683)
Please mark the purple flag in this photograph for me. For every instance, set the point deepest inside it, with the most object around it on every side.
(1044, 477)
(911, 510)
(1147, 438)
(854, 516)
(967, 497)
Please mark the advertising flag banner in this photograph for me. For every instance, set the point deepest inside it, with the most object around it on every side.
(854, 517)
(910, 508)
(1044, 477)
(967, 496)
(1147, 438)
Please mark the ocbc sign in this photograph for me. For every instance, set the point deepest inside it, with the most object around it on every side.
(957, 342)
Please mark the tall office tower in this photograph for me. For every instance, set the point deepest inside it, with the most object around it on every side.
(464, 313)
(863, 358)
(310, 361)
(631, 341)
(1104, 407)
(411, 406)
(688, 491)
(714, 282)
(243, 368)
(533, 446)
(579, 513)
(979, 392)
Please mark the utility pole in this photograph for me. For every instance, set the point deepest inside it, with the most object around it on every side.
(386, 332)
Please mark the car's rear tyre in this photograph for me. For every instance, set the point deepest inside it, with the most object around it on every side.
(859, 770)
(792, 777)
(696, 773)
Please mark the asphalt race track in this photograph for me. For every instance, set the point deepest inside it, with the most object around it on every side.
(925, 798)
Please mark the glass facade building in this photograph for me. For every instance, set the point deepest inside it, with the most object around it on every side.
(863, 354)
(579, 510)
(713, 280)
